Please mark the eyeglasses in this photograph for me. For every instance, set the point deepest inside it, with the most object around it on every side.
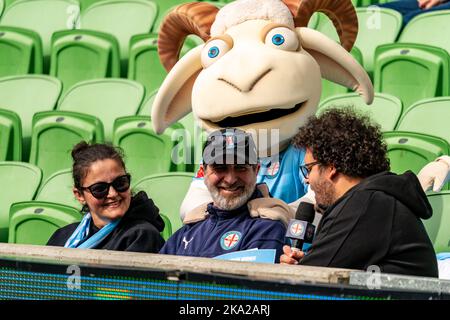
(101, 189)
(307, 167)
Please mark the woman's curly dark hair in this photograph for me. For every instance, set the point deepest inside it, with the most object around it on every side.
(349, 142)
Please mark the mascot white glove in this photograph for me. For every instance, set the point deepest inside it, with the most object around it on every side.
(435, 174)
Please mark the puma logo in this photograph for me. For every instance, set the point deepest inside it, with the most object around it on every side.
(186, 243)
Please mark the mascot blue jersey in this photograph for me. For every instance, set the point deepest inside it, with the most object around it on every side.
(281, 173)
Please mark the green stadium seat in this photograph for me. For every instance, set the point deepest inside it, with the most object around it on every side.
(26, 95)
(146, 152)
(377, 26)
(106, 99)
(146, 106)
(44, 17)
(34, 222)
(428, 29)
(20, 51)
(2, 6)
(135, 16)
(167, 232)
(144, 64)
(412, 151)
(385, 109)
(167, 191)
(437, 226)
(20, 181)
(10, 136)
(58, 189)
(54, 135)
(412, 72)
(79, 55)
(430, 116)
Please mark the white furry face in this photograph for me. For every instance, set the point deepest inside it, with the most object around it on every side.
(257, 76)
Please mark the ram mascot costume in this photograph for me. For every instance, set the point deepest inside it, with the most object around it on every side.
(259, 70)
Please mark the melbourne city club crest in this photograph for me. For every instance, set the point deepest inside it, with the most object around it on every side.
(230, 239)
(296, 229)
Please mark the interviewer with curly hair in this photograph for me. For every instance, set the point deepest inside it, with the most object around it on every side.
(372, 217)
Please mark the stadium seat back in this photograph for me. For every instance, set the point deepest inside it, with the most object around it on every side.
(144, 64)
(146, 152)
(20, 51)
(135, 16)
(34, 222)
(377, 26)
(79, 55)
(44, 17)
(412, 151)
(106, 99)
(429, 116)
(58, 189)
(10, 136)
(167, 191)
(429, 29)
(20, 182)
(54, 135)
(385, 109)
(146, 106)
(437, 226)
(26, 95)
(424, 71)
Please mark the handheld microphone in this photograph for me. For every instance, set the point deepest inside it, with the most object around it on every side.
(301, 230)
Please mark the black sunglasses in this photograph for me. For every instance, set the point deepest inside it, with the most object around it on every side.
(101, 189)
(307, 167)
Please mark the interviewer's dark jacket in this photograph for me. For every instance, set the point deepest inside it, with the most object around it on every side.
(138, 230)
(377, 222)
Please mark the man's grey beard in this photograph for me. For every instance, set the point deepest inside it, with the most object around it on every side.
(233, 203)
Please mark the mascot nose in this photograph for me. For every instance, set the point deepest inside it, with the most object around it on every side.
(243, 85)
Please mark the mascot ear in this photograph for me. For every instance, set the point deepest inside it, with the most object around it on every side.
(173, 100)
(336, 64)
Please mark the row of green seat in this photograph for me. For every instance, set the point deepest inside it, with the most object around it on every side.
(33, 222)
(421, 54)
(428, 116)
(414, 136)
(415, 67)
(32, 210)
(90, 108)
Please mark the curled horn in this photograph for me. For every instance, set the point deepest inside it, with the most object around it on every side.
(190, 18)
(341, 12)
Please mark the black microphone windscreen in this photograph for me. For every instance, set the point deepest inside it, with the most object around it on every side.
(305, 212)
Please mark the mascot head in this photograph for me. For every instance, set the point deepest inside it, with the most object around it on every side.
(260, 66)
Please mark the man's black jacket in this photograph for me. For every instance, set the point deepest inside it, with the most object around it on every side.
(377, 222)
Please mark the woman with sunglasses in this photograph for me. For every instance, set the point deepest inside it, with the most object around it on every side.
(114, 219)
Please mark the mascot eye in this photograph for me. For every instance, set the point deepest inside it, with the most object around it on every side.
(278, 39)
(213, 51)
(282, 38)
